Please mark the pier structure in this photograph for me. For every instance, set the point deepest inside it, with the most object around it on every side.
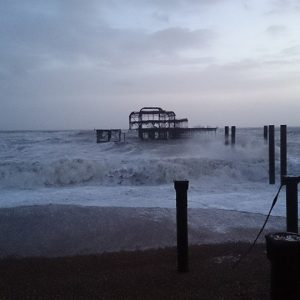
(108, 135)
(156, 123)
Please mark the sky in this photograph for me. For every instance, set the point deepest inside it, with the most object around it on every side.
(75, 64)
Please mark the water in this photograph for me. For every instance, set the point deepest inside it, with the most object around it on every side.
(68, 167)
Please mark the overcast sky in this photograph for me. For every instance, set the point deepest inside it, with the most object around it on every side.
(87, 64)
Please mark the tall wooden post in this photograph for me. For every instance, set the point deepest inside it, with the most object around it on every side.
(226, 135)
(181, 188)
(283, 152)
(266, 133)
(233, 135)
(271, 154)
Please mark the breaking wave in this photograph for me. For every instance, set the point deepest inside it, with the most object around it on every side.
(65, 172)
(30, 160)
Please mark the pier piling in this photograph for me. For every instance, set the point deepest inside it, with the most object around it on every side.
(233, 130)
(271, 154)
(266, 133)
(283, 152)
(226, 135)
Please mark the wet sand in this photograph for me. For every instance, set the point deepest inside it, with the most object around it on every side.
(61, 230)
(74, 252)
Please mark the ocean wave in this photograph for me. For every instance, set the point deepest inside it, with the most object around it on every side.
(65, 172)
(71, 158)
(56, 173)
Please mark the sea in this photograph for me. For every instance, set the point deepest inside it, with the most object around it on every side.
(69, 167)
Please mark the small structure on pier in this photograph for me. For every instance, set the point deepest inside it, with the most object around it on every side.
(156, 123)
(108, 135)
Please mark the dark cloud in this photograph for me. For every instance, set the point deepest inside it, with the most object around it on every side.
(37, 39)
(63, 60)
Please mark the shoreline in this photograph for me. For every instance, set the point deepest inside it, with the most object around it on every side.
(67, 230)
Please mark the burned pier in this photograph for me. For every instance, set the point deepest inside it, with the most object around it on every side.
(156, 123)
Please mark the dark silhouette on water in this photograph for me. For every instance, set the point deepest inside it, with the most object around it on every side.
(158, 124)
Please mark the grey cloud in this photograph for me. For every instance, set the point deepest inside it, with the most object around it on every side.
(174, 3)
(120, 47)
(180, 38)
(289, 56)
(33, 42)
(36, 34)
(160, 16)
(291, 51)
(277, 30)
(56, 91)
(240, 77)
(284, 6)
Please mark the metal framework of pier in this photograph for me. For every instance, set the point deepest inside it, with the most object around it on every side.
(156, 123)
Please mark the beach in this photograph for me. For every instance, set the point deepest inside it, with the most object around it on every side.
(75, 252)
(81, 220)
(63, 230)
(149, 274)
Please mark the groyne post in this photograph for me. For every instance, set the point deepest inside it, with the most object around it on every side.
(291, 183)
(271, 154)
(233, 130)
(266, 133)
(283, 152)
(226, 135)
(181, 188)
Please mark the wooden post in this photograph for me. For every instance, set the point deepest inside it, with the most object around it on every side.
(291, 183)
(266, 133)
(226, 135)
(283, 152)
(233, 135)
(271, 154)
(181, 188)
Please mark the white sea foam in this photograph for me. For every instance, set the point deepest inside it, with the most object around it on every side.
(40, 167)
(134, 165)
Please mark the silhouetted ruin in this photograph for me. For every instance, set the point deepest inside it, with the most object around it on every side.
(153, 123)
(156, 123)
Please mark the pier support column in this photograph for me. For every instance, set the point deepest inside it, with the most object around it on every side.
(266, 133)
(283, 152)
(271, 154)
(226, 135)
(233, 130)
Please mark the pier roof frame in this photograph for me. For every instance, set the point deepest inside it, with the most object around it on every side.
(154, 117)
